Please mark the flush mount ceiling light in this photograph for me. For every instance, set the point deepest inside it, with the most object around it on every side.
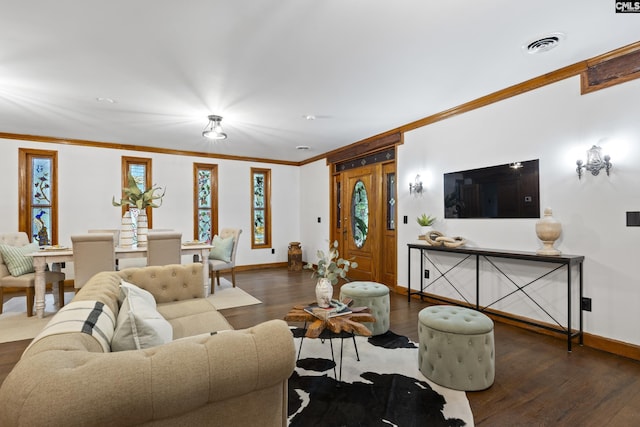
(213, 130)
(107, 100)
(544, 43)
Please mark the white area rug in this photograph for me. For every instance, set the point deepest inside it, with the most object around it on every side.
(14, 323)
(226, 296)
(384, 388)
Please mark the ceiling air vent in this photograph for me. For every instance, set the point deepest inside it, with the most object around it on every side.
(544, 44)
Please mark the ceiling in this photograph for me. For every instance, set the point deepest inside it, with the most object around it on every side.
(361, 67)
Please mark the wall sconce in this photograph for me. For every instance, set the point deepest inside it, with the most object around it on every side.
(416, 187)
(595, 162)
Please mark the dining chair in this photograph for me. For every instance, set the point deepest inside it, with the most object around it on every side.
(114, 231)
(16, 269)
(92, 253)
(164, 247)
(223, 254)
(116, 236)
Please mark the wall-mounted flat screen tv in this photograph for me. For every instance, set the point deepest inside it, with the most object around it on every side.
(503, 191)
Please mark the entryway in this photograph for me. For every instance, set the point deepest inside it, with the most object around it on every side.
(363, 215)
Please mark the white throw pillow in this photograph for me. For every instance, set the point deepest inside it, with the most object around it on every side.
(139, 325)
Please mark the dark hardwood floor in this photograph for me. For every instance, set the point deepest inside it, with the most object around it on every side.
(538, 383)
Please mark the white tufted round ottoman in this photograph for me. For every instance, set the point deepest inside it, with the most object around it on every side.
(456, 347)
(373, 295)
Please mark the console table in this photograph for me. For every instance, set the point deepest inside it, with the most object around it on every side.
(488, 255)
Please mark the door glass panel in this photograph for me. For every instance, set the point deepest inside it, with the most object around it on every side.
(359, 214)
(391, 201)
(338, 206)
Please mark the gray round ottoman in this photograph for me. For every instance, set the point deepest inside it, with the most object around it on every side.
(456, 347)
(373, 295)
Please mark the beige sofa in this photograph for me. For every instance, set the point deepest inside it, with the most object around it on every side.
(231, 378)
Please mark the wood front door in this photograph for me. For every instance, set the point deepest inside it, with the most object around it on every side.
(361, 222)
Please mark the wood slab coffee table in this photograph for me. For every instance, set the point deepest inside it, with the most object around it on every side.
(343, 326)
(350, 323)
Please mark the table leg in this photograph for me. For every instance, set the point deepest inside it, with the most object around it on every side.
(39, 265)
(204, 256)
(56, 287)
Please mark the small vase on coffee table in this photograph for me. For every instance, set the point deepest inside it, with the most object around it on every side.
(324, 292)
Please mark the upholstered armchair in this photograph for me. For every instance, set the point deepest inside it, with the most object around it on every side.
(16, 268)
(92, 253)
(223, 255)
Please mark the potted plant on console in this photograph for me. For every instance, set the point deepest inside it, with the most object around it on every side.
(425, 221)
(330, 269)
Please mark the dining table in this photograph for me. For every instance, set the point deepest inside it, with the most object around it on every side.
(56, 255)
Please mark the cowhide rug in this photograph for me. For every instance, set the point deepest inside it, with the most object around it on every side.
(385, 388)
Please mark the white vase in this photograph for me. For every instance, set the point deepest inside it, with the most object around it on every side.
(424, 229)
(324, 292)
(143, 228)
(126, 231)
(548, 229)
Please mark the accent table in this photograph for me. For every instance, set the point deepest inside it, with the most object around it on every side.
(556, 262)
(55, 257)
(351, 323)
(342, 326)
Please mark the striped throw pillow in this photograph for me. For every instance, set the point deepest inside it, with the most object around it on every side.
(16, 259)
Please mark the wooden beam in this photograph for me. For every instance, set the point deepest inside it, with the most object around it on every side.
(369, 145)
(611, 69)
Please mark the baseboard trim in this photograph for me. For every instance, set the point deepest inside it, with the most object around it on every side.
(596, 342)
(261, 266)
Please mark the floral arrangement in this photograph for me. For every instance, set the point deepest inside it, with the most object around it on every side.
(136, 198)
(330, 265)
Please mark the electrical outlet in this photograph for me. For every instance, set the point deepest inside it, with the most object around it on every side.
(586, 304)
(405, 219)
(273, 251)
(633, 219)
(426, 274)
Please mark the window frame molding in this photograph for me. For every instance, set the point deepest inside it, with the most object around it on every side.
(213, 168)
(126, 162)
(267, 208)
(24, 194)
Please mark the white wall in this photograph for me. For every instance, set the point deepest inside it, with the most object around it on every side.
(556, 125)
(88, 178)
(314, 204)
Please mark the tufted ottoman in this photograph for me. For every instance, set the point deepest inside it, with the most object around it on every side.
(373, 295)
(456, 347)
